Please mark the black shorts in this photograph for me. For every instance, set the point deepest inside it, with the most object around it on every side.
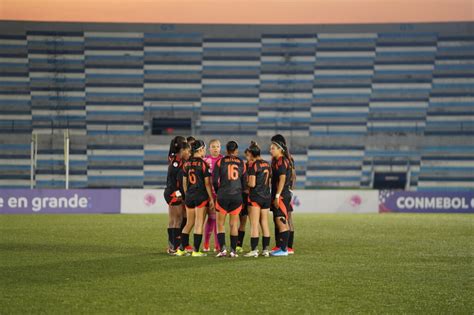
(172, 199)
(197, 201)
(284, 207)
(262, 203)
(245, 205)
(229, 204)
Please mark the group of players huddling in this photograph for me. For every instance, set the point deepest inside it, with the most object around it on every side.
(216, 185)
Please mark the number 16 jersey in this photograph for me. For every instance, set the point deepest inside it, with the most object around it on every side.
(229, 176)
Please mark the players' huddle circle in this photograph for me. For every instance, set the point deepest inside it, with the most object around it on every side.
(220, 186)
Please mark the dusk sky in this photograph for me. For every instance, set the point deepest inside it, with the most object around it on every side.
(239, 11)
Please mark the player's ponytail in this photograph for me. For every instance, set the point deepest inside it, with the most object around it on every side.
(280, 141)
(291, 162)
(175, 145)
(254, 149)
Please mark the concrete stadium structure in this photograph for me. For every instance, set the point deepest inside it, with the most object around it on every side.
(352, 99)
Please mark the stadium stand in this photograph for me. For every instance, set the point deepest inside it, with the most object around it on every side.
(352, 99)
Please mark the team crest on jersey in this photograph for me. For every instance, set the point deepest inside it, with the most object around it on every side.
(175, 164)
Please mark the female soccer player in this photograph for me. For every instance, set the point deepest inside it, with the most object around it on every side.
(259, 175)
(185, 156)
(197, 187)
(229, 179)
(281, 195)
(190, 140)
(281, 139)
(175, 146)
(243, 216)
(173, 195)
(211, 159)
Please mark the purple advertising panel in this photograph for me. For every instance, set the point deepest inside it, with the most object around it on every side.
(23, 201)
(426, 201)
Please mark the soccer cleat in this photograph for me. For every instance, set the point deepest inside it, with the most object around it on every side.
(189, 249)
(222, 254)
(233, 255)
(266, 253)
(217, 249)
(253, 253)
(290, 251)
(205, 249)
(239, 249)
(274, 249)
(180, 252)
(279, 253)
(170, 251)
(198, 254)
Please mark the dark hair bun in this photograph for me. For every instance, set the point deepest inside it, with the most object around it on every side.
(278, 138)
(231, 146)
(254, 149)
(196, 145)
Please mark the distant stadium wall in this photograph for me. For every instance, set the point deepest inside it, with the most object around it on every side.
(150, 201)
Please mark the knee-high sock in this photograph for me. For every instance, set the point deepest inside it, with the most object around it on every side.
(233, 242)
(291, 239)
(197, 241)
(170, 238)
(177, 238)
(265, 242)
(184, 241)
(240, 240)
(254, 243)
(221, 240)
(284, 240)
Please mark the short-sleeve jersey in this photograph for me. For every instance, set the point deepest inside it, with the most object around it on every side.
(263, 173)
(195, 171)
(281, 166)
(229, 176)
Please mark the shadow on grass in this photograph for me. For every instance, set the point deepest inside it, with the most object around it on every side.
(66, 248)
(133, 261)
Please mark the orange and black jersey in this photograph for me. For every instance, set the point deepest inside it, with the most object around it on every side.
(180, 177)
(195, 171)
(263, 173)
(281, 166)
(229, 176)
(172, 179)
(171, 158)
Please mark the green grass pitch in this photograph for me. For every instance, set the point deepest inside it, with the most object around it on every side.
(390, 263)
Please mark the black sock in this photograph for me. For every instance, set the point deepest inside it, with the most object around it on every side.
(284, 240)
(221, 240)
(265, 242)
(277, 236)
(197, 241)
(183, 223)
(254, 242)
(184, 240)
(176, 238)
(233, 242)
(291, 238)
(240, 240)
(170, 237)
